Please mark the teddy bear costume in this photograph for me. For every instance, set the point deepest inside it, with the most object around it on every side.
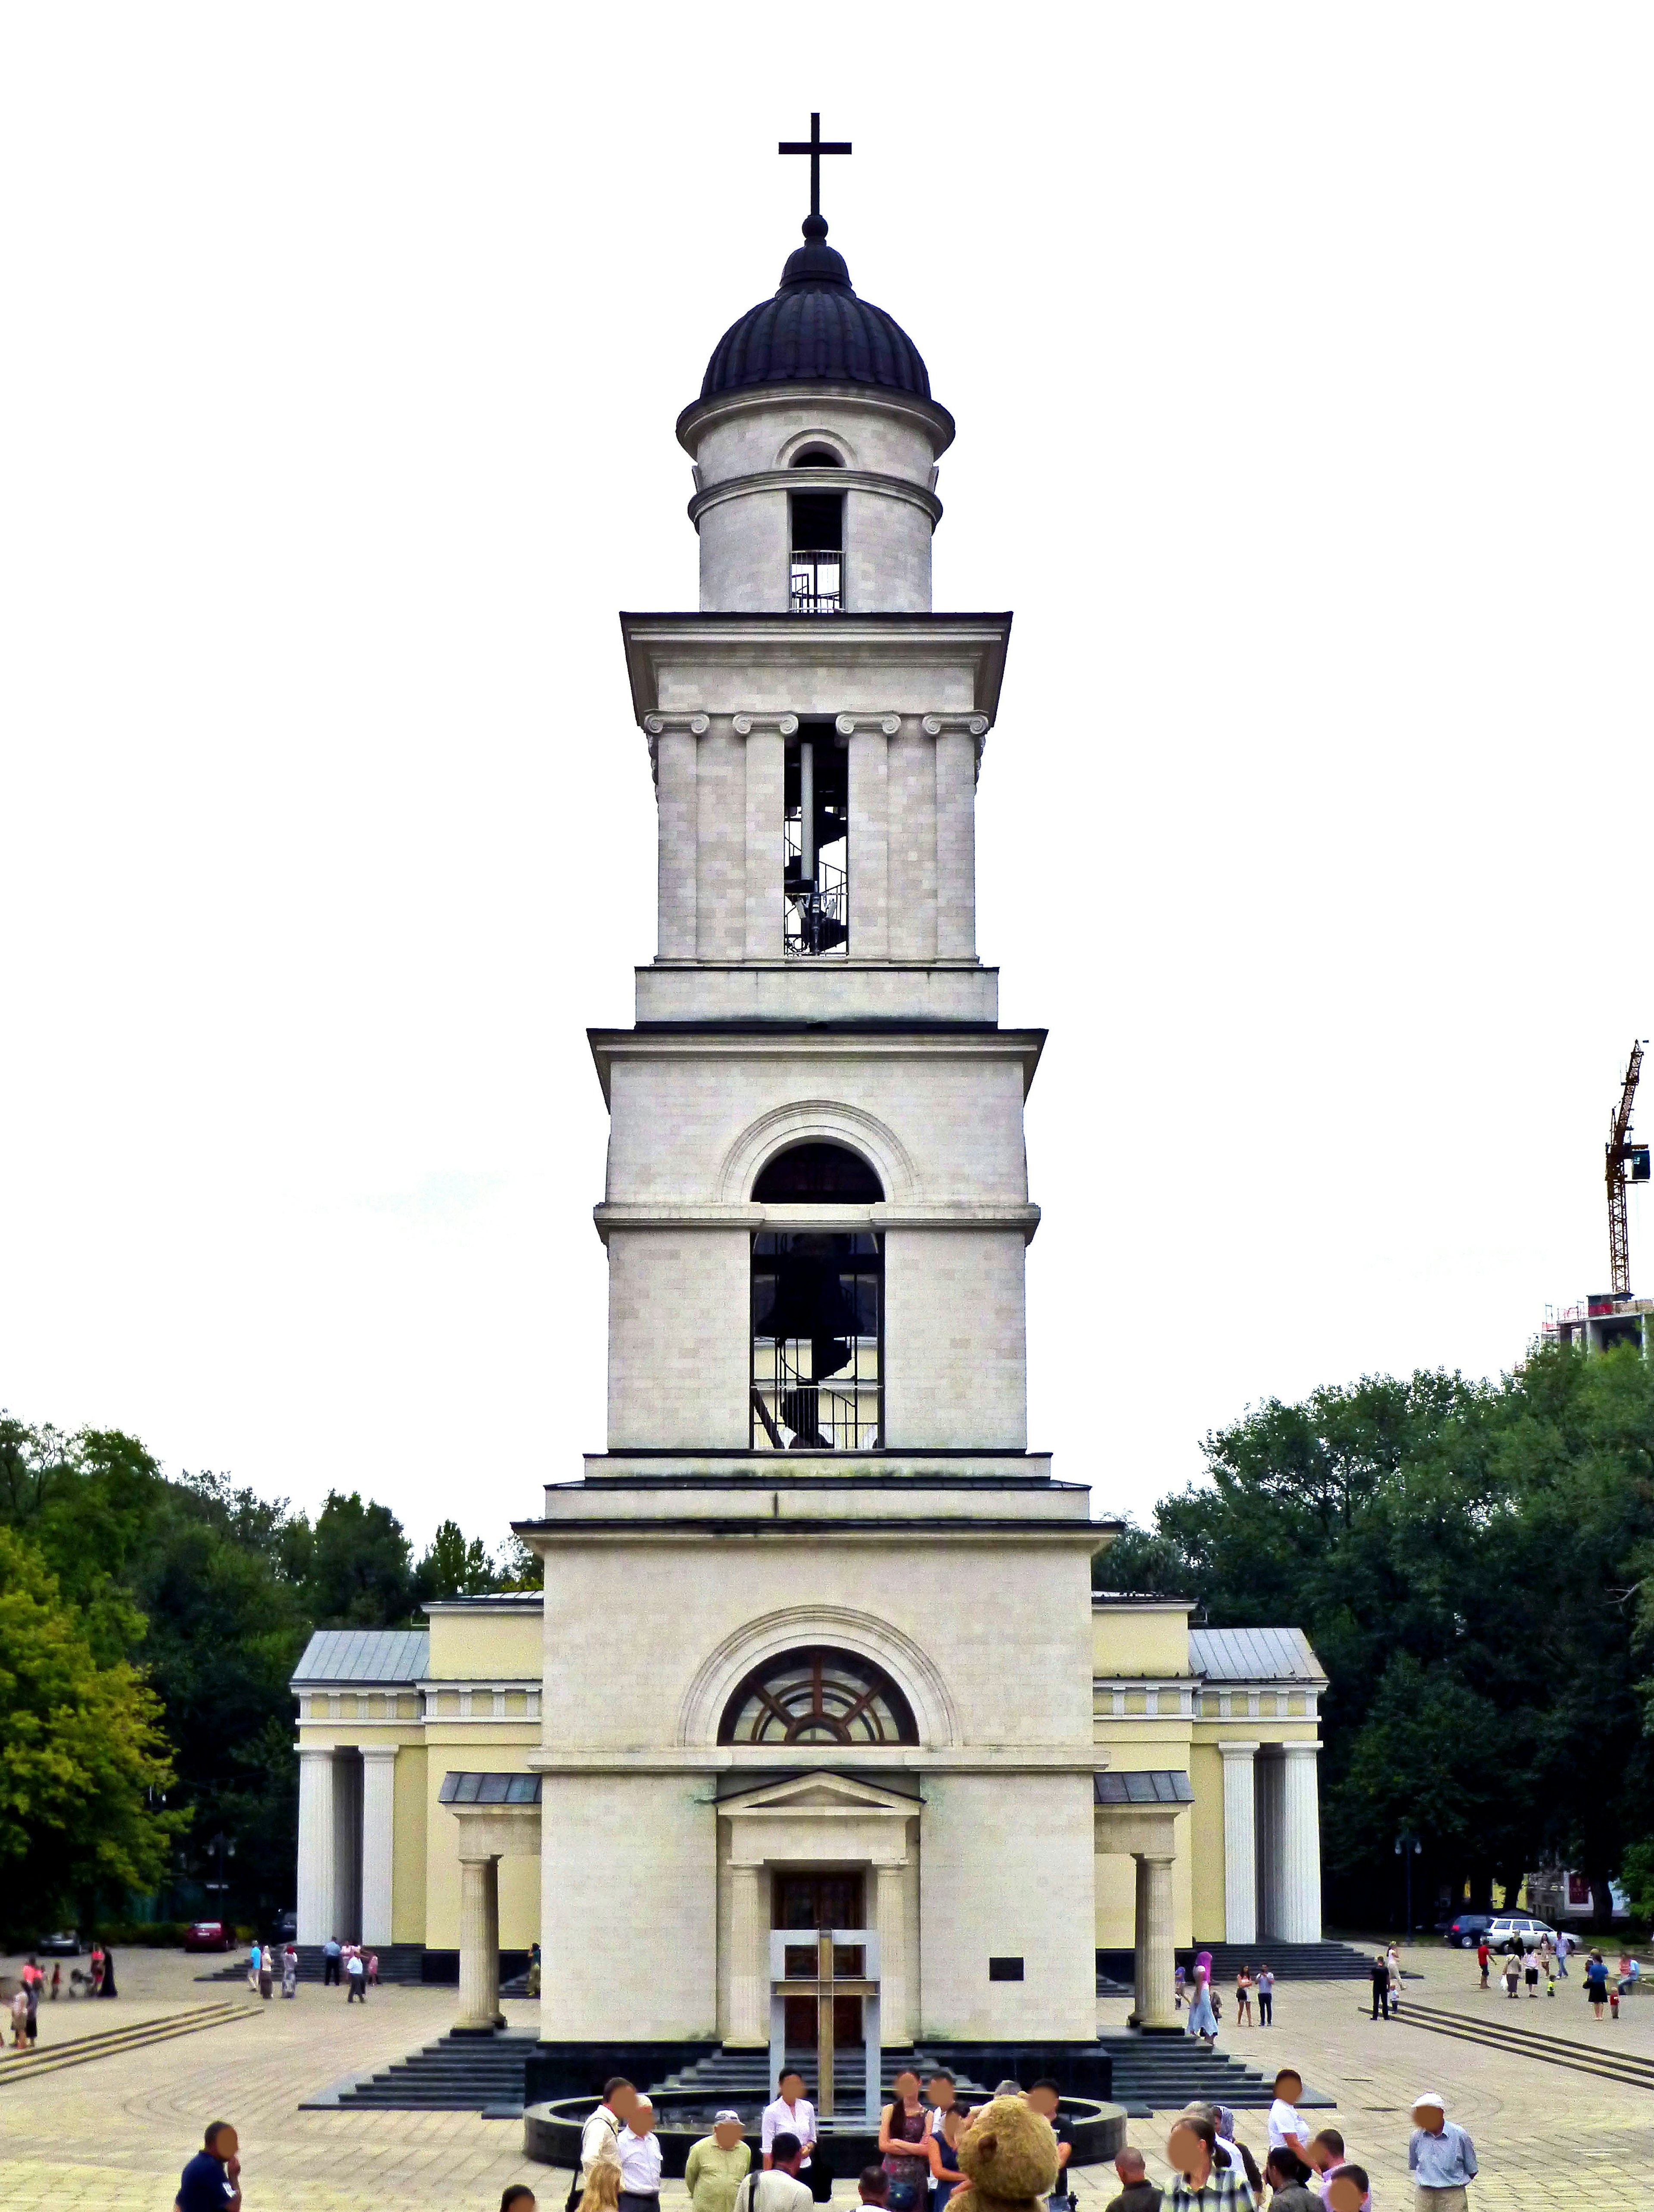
(1009, 2154)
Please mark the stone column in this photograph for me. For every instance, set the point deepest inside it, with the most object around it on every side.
(479, 1946)
(347, 1845)
(892, 1925)
(868, 737)
(378, 1841)
(1155, 1961)
(1240, 1858)
(316, 1845)
(1269, 1781)
(674, 737)
(721, 845)
(1300, 1846)
(956, 832)
(913, 846)
(765, 737)
(749, 1959)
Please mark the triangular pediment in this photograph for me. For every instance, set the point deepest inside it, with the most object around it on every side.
(821, 1791)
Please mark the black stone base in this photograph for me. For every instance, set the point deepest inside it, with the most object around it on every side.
(1085, 2069)
(443, 1966)
(573, 2069)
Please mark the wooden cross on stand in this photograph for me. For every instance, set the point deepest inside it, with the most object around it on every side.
(824, 1986)
(815, 146)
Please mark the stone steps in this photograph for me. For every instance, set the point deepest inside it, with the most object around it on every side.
(455, 2073)
(130, 2035)
(401, 1963)
(1608, 2064)
(1162, 2073)
(1288, 1962)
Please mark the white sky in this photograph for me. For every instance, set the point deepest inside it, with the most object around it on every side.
(1302, 358)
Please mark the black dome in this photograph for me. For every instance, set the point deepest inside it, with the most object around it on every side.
(814, 329)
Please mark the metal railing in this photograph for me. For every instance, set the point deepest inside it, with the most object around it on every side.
(817, 581)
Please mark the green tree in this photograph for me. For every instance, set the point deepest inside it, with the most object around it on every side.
(83, 1760)
(452, 1567)
(1462, 1555)
(359, 1571)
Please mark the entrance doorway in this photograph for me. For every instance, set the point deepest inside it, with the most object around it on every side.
(808, 1901)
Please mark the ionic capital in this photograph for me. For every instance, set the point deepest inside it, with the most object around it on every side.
(848, 725)
(697, 724)
(974, 725)
(786, 725)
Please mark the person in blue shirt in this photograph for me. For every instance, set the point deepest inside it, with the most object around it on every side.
(211, 2182)
(1441, 2158)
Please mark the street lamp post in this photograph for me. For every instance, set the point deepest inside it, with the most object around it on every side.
(1408, 1849)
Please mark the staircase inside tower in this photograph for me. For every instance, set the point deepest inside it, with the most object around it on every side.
(815, 871)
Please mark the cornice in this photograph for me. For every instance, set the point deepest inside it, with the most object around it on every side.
(631, 1214)
(784, 480)
(805, 397)
(880, 664)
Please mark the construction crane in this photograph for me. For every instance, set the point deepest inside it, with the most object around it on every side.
(1626, 1163)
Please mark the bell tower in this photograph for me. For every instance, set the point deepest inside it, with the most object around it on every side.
(817, 1218)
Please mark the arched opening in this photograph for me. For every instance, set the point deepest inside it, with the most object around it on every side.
(817, 1316)
(816, 457)
(818, 1696)
(817, 1175)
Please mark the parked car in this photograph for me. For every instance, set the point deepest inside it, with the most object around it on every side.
(64, 1944)
(208, 1936)
(1467, 1931)
(1504, 1926)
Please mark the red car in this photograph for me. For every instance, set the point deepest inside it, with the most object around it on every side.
(208, 1936)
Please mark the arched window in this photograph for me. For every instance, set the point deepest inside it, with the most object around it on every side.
(816, 457)
(817, 1175)
(817, 1697)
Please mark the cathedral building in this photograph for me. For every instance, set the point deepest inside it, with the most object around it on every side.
(818, 1647)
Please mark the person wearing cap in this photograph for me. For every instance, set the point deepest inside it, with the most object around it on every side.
(1441, 2158)
(717, 2164)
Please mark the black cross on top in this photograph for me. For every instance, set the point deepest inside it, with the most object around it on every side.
(815, 146)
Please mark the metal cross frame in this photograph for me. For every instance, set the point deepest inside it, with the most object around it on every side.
(824, 1986)
(815, 146)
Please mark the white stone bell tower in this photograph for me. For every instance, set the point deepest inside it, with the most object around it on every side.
(817, 1218)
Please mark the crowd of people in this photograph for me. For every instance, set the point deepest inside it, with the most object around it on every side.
(1521, 1967)
(32, 1985)
(1193, 1987)
(919, 2169)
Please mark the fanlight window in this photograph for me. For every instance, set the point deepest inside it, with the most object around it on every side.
(817, 1697)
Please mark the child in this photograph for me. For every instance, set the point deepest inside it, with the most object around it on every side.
(1285, 2129)
(1177, 1988)
(1550, 1973)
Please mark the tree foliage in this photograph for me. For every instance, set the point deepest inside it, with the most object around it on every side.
(82, 1758)
(199, 1597)
(1465, 1558)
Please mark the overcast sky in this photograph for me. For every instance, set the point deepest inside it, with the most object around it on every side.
(1302, 359)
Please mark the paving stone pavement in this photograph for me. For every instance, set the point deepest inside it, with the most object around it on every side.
(115, 2133)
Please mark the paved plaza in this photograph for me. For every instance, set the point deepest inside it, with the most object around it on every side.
(115, 2133)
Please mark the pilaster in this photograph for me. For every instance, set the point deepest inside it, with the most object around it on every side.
(892, 1925)
(956, 737)
(749, 1959)
(869, 736)
(671, 744)
(721, 844)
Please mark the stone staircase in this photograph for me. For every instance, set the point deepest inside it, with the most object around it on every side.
(399, 1963)
(456, 2074)
(1288, 1962)
(1163, 2073)
(740, 2079)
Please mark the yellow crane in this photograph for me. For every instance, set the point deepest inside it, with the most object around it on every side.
(1626, 1163)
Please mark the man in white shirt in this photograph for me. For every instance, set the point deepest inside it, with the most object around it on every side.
(640, 2161)
(792, 2113)
(778, 2187)
(600, 2135)
(1285, 2129)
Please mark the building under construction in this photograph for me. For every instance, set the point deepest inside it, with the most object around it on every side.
(1612, 1317)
